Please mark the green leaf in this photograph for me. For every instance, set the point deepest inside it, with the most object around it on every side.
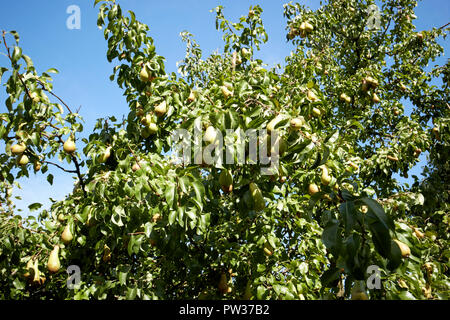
(375, 209)
(199, 190)
(331, 237)
(348, 213)
(17, 54)
(50, 179)
(170, 194)
(34, 206)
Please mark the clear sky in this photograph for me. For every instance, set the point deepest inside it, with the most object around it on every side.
(80, 55)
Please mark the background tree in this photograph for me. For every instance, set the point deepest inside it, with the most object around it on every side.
(141, 225)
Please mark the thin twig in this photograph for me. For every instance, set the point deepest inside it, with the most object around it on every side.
(63, 169)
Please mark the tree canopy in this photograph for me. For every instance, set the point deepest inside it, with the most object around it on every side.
(141, 224)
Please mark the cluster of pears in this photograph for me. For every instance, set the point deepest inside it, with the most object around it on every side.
(370, 83)
(227, 89)
(326, 179)
(18, 150)
(33, 274)
(303, 30)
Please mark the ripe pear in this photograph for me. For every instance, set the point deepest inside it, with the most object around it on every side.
(245, 53)
(106, 253)
(419, 36)
(66, 236)
(191, 97)
(392, 158)
(35, 97)
(419, 234)
(297, 123)
(417, 152)
(135, 167)
(145, 75)
(61, 217)
(69, 146)
(428, 267)
(227, 93)
(345, 98)
(375, 98)
(311, 96)
(257, 196)
(37, 166)
(405, 250)
(156, 217)
(153, 128)
(53, 263)
(325, 178)
(313, 189)
(37, 274)
(161, 109)
(268, 250)
(226, 181)
(29, 267)
(223, 283)
(105, 156)
(435, 131)
(18, 149)
(372, 82)
(308, 27)
(316, 112)
(22, 160)
(210, 135)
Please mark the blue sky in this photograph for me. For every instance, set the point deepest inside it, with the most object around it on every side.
(80, 55)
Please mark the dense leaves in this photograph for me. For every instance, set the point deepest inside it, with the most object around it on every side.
(147, 225)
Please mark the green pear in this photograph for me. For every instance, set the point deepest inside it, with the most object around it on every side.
(22, 160)
(226, 181)
(66, 236)
(311, 96)
(313, 189)
(297, 123)
(105, 156)
(161, 109)
(18, 149)
(145, 74)
(404, 248)
(272, 124)
(325, 178)
(210, 135)
(257, 196)
(53, 264)
(69, 146)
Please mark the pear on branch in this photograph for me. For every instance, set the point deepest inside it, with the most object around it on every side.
(69, 146)
(53, 264)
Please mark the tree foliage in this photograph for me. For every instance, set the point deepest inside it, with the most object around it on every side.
(145, 226)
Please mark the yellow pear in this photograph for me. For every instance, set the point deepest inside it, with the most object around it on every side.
(210, 135)
(66, 236)
(106, 253)
(191, 97)
(325, 178)
(69, 146)
(313, 189)
(145, 75)
(392, 158)
(18, 149)
(297, 123)
(227, 93)
(53, 263)
(161, 109)
(30, 268)
(375, 98)
(308, 27)
(345, 98)
(316, 112)
(35, 97)
(37, 274)
(257, 196)
(268, 250)
(37, 166)
(311, 96)
(419, 234)
(105, 156)
(22, 160)
(405, 250)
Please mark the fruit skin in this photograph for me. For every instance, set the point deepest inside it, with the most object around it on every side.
(69, 146)
(405, 250)
(311, 96)
(106, 253)
(419, 234)
(268, 250)
(345, 98)
(223, 283)
(161, 109)
(145, 75)
(226, 181)
(191, 97)
(18, 149)
(316, 112)
(313, 189)
(105, 156)
(37, 166)
(297, 123)
(210, 135)
(66, 236)
(395, 159)
(375, 98)
(257, 196)
(325, 178)
(22, 160)
(53, 264)
(227, 93)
